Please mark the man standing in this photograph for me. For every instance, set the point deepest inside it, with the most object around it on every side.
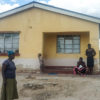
(90, 53)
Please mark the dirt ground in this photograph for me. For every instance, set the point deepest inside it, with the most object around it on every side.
(57, 87)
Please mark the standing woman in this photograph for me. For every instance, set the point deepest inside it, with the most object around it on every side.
(90, 53)
(9, 86)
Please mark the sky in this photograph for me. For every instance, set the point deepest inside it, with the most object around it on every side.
(89, 7)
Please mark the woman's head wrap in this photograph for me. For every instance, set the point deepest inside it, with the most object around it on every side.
(10, 53)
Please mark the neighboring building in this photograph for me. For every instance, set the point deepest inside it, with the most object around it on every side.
(60, 35)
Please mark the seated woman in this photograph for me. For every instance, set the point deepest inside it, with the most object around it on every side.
(81, 68)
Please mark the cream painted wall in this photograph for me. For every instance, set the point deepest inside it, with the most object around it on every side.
(33, 23)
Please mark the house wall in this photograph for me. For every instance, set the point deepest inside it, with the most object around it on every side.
(33, 23)
(52, 58)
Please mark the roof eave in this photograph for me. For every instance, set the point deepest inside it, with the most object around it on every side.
(16, 10)
(50, 8)
(66, 12)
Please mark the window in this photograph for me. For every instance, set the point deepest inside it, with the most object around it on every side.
(68, 44)
(9, 41)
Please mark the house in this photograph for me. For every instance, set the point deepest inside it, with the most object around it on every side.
(60, 35)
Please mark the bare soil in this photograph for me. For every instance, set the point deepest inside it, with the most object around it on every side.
(57, 87)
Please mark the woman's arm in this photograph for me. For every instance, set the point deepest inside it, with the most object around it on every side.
(84, 64)
(94, 53)
(77, 64)
(86, 52)
(3, 73)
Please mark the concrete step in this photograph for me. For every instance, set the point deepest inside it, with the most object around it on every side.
(59, 69)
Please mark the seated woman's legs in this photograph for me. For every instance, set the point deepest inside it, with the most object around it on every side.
(83, 71)
(76, 70)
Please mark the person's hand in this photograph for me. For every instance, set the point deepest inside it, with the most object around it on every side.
(87, 69)
(16, 81)
(4, 81)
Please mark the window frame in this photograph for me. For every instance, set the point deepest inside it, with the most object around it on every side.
(64, 36)
(12, 43)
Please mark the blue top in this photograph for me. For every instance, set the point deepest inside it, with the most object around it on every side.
(10, 71)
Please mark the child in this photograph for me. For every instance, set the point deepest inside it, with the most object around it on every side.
(41, 62)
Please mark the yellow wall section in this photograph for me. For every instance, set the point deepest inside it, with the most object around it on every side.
(33, 23)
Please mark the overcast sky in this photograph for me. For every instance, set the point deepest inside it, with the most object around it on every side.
(90, 7)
